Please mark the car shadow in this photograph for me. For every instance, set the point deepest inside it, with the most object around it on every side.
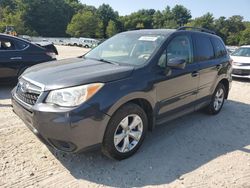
(170, 151)
(246, 80)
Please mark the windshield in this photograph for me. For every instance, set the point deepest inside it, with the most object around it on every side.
(127, 48)
(244, 52)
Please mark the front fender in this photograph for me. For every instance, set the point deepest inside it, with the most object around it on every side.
(130, 97)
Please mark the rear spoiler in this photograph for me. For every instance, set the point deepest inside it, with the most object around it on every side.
(50, 47)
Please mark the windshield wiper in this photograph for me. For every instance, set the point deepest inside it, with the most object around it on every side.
(107, 61)
(102, 60)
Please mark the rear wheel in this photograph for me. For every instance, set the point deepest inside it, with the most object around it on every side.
(125, 132)
(218, 99)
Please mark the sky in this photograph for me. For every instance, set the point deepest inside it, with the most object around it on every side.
(218, 8)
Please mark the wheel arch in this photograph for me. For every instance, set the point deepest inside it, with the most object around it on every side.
(225, 82)
(142, 100)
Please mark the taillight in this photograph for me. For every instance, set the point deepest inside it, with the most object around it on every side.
(51, 54)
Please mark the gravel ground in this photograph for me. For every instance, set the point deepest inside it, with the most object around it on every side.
(196, 150)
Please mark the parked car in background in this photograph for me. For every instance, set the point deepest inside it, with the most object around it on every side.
(25, 37)
(122, 88)
(17, 54)
(88, 42)
(231, 49)
(73, 42)
(241, 62)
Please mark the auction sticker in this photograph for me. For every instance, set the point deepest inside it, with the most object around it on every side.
(148, 38)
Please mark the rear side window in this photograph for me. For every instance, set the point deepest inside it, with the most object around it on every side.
(203, 48)
(6, 45)
(20, 45)
(219, 48)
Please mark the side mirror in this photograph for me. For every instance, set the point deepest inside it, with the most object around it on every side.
(177, 63)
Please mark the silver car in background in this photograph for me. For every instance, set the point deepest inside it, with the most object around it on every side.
(241, 62)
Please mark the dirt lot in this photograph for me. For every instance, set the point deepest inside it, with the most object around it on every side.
(194, 151)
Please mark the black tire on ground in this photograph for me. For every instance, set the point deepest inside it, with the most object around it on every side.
(211, 109)
(108, 145)
(86, 46)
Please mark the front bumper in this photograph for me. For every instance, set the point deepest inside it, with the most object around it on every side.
(241, 71)
(68, 130)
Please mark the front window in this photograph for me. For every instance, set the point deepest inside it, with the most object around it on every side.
(179, 48)
(127, 48)
(244, 52)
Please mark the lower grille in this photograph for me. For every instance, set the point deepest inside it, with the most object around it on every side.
(242, 72)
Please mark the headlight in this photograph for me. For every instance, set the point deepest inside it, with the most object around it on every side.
(73, 96)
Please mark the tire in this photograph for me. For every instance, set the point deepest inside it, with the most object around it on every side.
(218, 100)
(86, 46)
(129, 122)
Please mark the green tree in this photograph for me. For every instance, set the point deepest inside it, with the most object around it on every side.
(158, 20)
(84, 24)
(111, 29)
(10, 4)
(222, 27)
(13, 18)
(47, 17)
(106, 13)
(181, 15)
(169, 20)
(142, 19)
(245, 37)
(236, 25)
(205, 21)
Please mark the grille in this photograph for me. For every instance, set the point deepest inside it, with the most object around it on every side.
(27, 92)
(242, 72)
(242, 64)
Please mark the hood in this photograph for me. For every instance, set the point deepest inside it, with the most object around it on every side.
(240, 59)
(73, 72)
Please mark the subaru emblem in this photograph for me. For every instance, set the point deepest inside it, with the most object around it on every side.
(24, 87)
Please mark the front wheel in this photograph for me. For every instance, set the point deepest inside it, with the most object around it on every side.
(125, 132)
(218, 100)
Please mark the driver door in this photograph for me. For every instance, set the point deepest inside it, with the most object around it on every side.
(177, 88)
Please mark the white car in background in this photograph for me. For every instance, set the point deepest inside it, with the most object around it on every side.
(241, 62)
(88, 42)
(74, 42)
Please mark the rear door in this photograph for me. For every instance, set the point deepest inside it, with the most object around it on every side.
(11, 57)
(177, 88)
(209, 66)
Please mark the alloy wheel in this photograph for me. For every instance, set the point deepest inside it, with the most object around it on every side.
(219, 99)
(128, 133)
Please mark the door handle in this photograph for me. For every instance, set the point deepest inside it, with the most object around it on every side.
(218, 67)
(195, 74)
(16, 58)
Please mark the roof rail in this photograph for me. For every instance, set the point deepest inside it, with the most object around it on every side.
(197, 29)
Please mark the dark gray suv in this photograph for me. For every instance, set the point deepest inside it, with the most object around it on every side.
(114, 94)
